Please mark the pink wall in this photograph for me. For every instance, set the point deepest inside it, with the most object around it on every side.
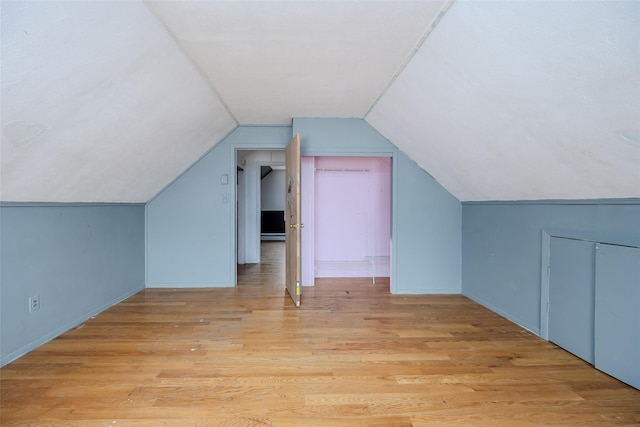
(351, 217)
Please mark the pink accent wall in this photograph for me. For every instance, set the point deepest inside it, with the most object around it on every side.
(351, 217)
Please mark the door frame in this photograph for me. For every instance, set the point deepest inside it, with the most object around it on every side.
(254, 247)
(309, 265)
(253, 146)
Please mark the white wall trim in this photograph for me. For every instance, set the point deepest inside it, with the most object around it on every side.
(545, 256)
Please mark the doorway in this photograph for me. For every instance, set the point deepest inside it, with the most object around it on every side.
(350, 241)
(269, 273)
(346, 209)
(260, 206)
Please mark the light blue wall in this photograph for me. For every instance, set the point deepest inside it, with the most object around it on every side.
(80, 260)
(502, 247)
(427, 233)
(426, 230)
(191, 224)
(191, 230)
(326, 137)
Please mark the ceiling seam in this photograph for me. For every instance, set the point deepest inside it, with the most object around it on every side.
(434, 23)
(204, 75)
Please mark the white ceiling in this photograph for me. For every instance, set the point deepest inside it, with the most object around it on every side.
(504, 100)
(98, 103)
(513, 100)
(271, 61)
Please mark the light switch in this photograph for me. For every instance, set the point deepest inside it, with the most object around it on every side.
(224, 179)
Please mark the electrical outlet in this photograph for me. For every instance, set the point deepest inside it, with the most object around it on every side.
(34, 303)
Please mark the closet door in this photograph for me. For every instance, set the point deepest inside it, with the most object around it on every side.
(571, 296)
(617, 312)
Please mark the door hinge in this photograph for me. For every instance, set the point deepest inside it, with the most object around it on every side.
(548, 271)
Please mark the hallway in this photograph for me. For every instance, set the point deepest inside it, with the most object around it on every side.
(269, 273)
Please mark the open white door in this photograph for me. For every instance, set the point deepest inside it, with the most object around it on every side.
(292, 219)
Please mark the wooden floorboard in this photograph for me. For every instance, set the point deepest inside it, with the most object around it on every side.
(352, 355)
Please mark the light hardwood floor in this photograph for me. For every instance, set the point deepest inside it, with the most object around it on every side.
(353, 355)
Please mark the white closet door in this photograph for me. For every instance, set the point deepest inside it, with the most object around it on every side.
(617, 312)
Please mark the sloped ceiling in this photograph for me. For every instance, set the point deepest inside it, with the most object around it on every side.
(271, 61)
(98, 103)
(110, 101)
(524, 100)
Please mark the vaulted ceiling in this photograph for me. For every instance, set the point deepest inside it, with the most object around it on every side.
(503, 100)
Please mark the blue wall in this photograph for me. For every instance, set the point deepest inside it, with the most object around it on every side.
(80, 260)
(427, 233)
(502, 247)
(191, 229)
(191, 224)
(426, 229)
